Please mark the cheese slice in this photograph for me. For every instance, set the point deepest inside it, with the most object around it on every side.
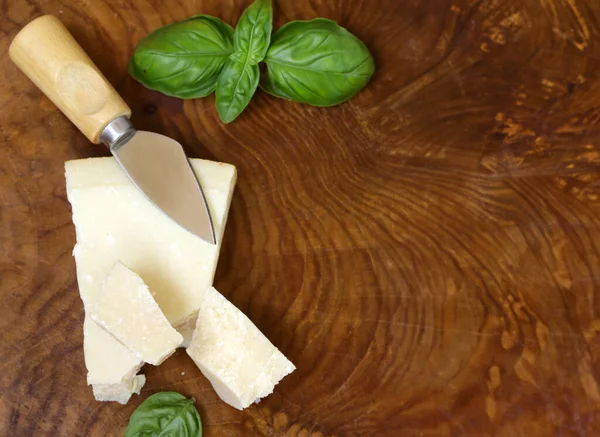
(114, 221)
(126, 309)
(242, 365)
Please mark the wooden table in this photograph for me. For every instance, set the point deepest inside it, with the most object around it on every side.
(426, 254)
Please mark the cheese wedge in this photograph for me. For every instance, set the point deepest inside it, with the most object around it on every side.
(242, 365)
(127, 310)
(114, 221)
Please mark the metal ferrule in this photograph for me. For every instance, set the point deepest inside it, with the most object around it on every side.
(117, 133)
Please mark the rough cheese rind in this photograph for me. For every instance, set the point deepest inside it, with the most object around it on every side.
(126, 309)
(119, 392)
(114, 221)
(242, 365)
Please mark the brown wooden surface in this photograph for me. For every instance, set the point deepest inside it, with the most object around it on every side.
(427, 254)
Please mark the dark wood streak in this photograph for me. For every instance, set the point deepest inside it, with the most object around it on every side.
(428, 254)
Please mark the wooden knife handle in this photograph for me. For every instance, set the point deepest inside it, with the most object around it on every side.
(49, 55)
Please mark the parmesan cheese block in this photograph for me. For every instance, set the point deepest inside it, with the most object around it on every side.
(114, 221)
(242, 365)
(126, 309)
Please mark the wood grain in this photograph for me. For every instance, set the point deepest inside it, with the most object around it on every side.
(426, 254)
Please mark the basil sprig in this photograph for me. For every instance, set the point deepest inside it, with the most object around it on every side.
(239, 79)
(165, 414)
(314, 62)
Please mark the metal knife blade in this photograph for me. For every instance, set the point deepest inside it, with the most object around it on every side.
(157, 165)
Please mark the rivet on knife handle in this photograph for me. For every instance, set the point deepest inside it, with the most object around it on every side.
(47, 53)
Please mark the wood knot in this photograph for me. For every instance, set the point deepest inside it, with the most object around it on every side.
(150, 108)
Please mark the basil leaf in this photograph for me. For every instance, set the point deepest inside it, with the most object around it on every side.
(240, 76)
(316, 62)
(253, 32)
(237, 84)
(165, 414)
(183, 59)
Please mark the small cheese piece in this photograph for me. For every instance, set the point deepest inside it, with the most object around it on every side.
(97, 346)
(242, 365)
(114, 221)
(119, 392)
(111, 380)
(126, 309)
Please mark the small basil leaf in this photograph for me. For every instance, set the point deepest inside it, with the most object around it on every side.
(240, 76)
(316, 62)
(237, 84)
(253, 31)
(183, 59)
(165, 414)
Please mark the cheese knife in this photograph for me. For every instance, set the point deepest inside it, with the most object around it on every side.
(49, 55)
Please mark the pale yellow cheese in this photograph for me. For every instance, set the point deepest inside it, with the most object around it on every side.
(126, 309)
(111, 380)
(113, 222)
(242, 365)
(98, 346)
